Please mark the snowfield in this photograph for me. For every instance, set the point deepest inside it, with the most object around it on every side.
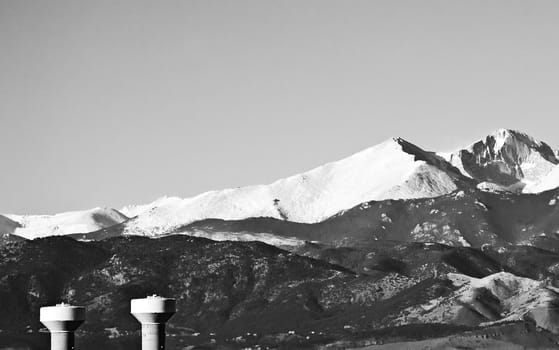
(380, 172)
(35, 226)
(548, 182)
(248, 237)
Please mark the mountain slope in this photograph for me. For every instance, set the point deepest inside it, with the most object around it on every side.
(462, 218)
(393, 169)
(499, 297)
(7, 225)
(235, 295)
(33, 226)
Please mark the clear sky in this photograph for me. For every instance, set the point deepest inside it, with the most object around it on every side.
(107, 103)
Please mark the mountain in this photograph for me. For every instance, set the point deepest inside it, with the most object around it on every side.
(509, 160)
(462, 218)
(393, 169)
(498, 297)
(394, 245)
(506, 161)
(33, 226)
(235, 295)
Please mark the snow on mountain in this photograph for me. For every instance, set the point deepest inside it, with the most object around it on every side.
(247, 237)
(508, 160)
(505, 160)
(136, 209)
(393, 169)
(548, 182)
(34, 226)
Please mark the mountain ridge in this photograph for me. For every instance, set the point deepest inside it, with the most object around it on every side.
(234, 295)
(505, 160)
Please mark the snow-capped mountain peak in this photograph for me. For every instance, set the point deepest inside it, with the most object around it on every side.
(519, 141)
(507, 160)
(392, 169)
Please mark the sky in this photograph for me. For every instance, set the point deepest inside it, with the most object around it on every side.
(107, 103)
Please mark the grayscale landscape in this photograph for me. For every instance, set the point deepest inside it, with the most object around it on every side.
(465, 255)
(294, 174)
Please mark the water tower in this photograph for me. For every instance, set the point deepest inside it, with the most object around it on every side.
(153, 312)
(62, 320)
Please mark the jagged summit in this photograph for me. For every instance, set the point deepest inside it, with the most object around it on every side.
(514, 140)
(508, 160)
